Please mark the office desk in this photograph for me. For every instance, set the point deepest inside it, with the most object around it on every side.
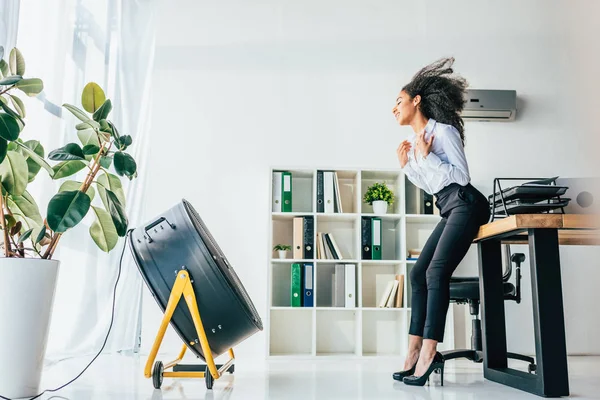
(544, 233)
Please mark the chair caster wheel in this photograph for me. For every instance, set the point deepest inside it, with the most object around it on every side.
(531, 368)
(231, 369)
(157, 374)
(208, 378)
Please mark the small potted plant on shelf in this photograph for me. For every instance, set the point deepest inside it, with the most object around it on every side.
(282, 249)
(379, 196)
(28, 241)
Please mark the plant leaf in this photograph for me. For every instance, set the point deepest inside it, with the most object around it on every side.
(26, 206)
(67, 209)
(3, 149)
(4, 68)
(102, 112)
(13, 114)
(69, 186)
(103, 230)
(67, 168)
(91, 149)
(19, 106)
(41, 235)
(117, 213)
(9, 128)
(31, 86)
(25, 236)
(71, 151)
(10, 221)
(13, 171)
(11, 80)
(125, 165)
(88, 137)
(113, 183)
(92, 97)
(81, 115)
(105, 162)
(33, 155)
(17, 62)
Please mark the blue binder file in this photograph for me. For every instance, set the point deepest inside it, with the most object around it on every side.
(308, 285)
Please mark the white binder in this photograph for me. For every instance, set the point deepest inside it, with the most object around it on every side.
(350, 286)
(277, 191)
(328, 192)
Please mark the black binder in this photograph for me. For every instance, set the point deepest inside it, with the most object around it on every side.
(309, 232)
(427, 203)
(366, 250)
(320, 191)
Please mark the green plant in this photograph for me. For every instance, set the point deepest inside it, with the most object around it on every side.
(101, 147)
(282, 247)
(379, 191)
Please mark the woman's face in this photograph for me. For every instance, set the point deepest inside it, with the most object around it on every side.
(405, 108)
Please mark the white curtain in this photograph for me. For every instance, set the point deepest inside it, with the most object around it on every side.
(68, 43)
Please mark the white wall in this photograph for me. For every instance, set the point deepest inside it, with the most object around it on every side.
(241, 86)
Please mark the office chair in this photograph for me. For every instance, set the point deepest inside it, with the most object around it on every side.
(466, 290)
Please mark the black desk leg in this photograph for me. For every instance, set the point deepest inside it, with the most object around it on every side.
(551, 377)
(492, 305)
(548, 313)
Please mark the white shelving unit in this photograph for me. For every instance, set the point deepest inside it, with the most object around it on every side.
(323, 330)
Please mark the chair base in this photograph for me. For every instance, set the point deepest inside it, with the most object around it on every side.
(477, 356)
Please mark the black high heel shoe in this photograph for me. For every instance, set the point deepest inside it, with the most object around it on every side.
(436, 364)
(401, 374)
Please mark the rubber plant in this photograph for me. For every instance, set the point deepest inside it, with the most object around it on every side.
(25, 232)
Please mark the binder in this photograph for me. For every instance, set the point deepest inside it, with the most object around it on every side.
(366, 238)
(340, 285)
(350, 279)
(296, 285)
(338, 198)
(298, 238)
(328, 191)
(376, 238)
(320, 199)
(308, 285)
(277, 182)
(335, 247)
(400, 293)
(333, 250)
(286, 193)
(309, 233)
(427, 203)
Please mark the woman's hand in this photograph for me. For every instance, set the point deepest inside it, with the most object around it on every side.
(402, 152)
(422, 145)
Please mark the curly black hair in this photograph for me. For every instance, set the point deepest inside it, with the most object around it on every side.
(442, 94)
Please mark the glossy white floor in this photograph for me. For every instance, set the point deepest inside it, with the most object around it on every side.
(121, 377)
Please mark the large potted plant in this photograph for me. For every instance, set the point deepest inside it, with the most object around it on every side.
(28, 271)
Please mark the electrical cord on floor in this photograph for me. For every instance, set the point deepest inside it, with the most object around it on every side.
(107, 334)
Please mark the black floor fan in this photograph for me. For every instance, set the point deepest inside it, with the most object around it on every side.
(180, 260)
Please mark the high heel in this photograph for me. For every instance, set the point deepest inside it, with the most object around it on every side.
(401, 374)
(436, 364)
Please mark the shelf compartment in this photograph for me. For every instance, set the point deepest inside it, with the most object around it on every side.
(325, 282)
(348, 184)
(337, 332)
(302, 189)
(393, 180)
(375, 278)
(344, 232)
(383, 333)
(291, 333)
(418, 232)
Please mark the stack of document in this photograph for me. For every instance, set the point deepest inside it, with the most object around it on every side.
(393, 293)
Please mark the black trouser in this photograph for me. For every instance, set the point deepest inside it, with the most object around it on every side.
(463, 209)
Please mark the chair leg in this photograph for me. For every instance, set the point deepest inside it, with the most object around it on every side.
(521, 357)
(473, 355)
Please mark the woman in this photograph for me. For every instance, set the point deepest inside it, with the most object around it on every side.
(434, 159)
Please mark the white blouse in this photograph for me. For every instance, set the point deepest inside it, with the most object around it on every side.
(445, 164)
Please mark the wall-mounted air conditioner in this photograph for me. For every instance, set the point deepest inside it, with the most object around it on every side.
(490, 105)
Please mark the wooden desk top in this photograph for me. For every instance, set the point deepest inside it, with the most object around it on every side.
(574, 229)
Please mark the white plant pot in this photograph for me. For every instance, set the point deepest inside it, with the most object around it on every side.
(380, 206)
(27, 287)
(282, 253)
